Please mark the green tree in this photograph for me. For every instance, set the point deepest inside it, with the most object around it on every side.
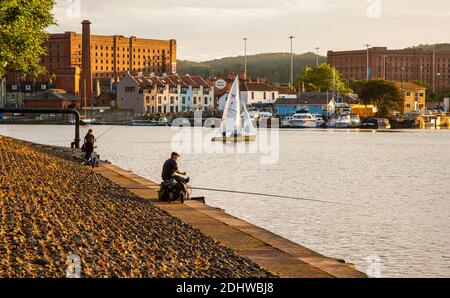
(22, 34)
(385, 95)
(321, 79)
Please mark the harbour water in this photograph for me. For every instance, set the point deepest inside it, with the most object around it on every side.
(398, 181)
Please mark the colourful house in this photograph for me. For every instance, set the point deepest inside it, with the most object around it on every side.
(320, 103)
(415, 95)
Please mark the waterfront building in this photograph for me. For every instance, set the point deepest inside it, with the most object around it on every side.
(286, 92)
(53, 98)
(18, 92)
(256, 93)
(430, 67)
(111, 57)
(415, 97)
(166, 94)
(320, 103)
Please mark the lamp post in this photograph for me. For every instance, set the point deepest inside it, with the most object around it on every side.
(3, 89)
(245, 56)
(291, 83)
(421, 74)
(368, 74)
(317, 56)
(384, 66)
(402, 69)
(438, 76)
(433, 58)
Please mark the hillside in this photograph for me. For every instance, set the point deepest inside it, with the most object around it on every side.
(274, 66)
(440, 47)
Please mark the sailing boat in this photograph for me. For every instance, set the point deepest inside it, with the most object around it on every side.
(234, 115)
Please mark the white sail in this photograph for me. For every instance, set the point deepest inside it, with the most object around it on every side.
(231, 119)
(249, 129)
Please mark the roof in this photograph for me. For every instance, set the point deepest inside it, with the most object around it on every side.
(200, 81)
(285, 90)
(257, 86)
(308, 98)
(171, 80)
(410, 86)
(53, 94)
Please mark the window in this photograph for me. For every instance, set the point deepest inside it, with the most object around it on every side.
(130, 89)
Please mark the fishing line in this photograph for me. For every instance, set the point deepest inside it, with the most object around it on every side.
(105, 132)
(271, 195)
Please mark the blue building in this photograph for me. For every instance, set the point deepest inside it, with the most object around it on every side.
(320, 103)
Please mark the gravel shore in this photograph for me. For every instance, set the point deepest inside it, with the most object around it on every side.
(47, 216)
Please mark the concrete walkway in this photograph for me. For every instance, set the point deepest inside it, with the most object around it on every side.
(278, 255)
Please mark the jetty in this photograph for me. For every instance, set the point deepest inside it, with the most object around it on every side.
(120, 229)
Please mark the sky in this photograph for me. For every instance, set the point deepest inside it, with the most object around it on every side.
(209, 29)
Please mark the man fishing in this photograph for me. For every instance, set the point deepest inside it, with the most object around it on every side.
(89, 141)
(171, 171)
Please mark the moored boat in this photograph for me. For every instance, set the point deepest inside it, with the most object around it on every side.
(303, 119)
(344, 121)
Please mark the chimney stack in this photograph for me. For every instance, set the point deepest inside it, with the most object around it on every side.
(86, 72)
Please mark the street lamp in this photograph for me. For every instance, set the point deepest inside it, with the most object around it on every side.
(2, 88)
(402, 69)
(421, 74)
(245, 56)
(384, 66)
(317, 56)
(368, 74)
(292, 62)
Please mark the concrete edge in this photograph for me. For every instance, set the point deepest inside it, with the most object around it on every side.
(328, 265)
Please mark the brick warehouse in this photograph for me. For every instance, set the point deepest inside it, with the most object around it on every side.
(111, 58)
(408, 65)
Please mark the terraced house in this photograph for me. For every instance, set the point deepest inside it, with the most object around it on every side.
(166, 94)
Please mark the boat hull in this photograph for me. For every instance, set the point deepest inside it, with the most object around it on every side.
(235, 139)
(295, 124)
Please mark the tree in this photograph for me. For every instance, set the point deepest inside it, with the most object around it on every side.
(22, 34)
(385, 95)
(321, 79)
(274, 66)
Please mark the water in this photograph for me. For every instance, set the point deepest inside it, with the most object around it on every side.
(399, 180)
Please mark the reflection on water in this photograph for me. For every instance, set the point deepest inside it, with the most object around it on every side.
(400, 181)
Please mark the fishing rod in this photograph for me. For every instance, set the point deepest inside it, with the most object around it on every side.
(270, 195)
(104, 132)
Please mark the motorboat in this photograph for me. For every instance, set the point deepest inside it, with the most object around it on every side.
(356, 121)
(331, 123)
(151, 122)
(344, 121)
(286, 122)
(303, 119)
(375, 123)
(320, 121)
